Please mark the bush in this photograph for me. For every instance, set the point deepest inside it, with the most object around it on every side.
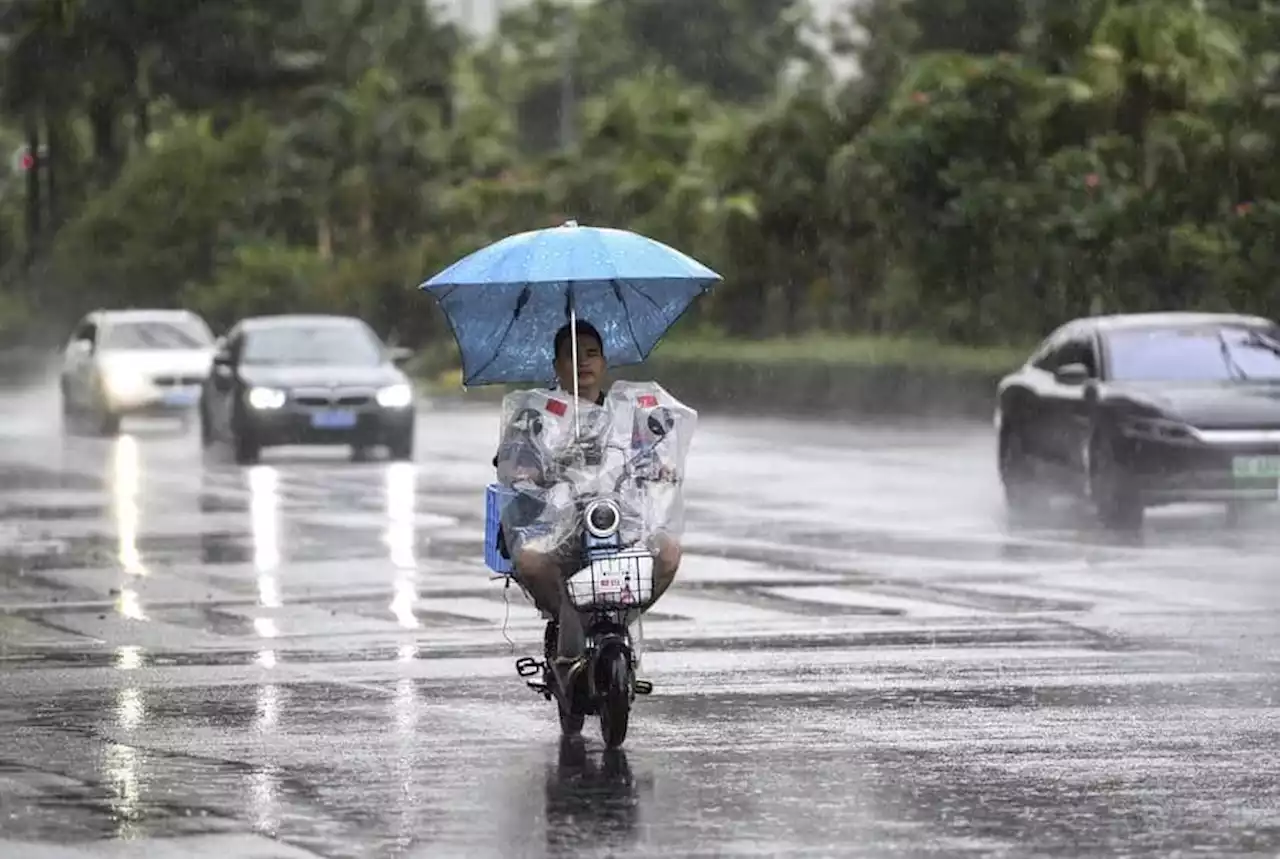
(818, 350)
(812, 376)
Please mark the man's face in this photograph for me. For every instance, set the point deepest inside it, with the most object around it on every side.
(590, 364)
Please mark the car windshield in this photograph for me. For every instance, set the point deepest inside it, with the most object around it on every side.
(326, 345)
(156, 334)
(1222, 354)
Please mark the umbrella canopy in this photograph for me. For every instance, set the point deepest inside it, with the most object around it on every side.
(506, 301)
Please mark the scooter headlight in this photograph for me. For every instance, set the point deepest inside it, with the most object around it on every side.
(603, 518)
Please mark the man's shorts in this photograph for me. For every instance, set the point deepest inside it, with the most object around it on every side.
(565, 554)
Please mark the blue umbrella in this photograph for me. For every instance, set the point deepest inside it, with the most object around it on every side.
(505, 301)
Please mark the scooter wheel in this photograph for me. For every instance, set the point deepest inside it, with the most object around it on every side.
(615, 709)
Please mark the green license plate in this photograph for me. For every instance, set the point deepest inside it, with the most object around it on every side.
(1256, 467)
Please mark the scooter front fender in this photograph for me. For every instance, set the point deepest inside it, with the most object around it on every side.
(610, 663)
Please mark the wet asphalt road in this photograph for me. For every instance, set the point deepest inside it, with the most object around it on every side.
(307, 658)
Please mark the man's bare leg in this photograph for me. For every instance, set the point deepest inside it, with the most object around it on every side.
(666, 564)
(543, 577)
(540, 574)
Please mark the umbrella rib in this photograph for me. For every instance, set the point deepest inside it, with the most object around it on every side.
(520, 303)
(617, 290)
(640, 292)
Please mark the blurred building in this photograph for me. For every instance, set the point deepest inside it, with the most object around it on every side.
(481, 17)
(478, 16)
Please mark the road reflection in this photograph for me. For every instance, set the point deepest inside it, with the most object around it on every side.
(264, 524)
(401, 491)
(128, 658)
(123, 765)
(591, 802)
(406, 770)
(264, 787)
(126, 477)
(125, 482)
(400, 499)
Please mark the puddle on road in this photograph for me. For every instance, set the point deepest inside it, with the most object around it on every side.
(51, 512)
(1000, 695)
(927, 640)
(16, 476)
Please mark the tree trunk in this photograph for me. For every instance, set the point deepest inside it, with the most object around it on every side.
(742, 305)
(324, 237)
(49, 165)
(102, 122)
(34, 209)
(140, 86)
(141, 123)
(365, 224)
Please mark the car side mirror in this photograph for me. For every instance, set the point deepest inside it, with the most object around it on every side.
(399, 354)
(82, 347)
(1072, 374)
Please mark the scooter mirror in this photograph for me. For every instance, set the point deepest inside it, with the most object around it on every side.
(660, 422)
(527, 421)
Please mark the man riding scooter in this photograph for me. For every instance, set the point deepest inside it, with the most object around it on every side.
(541, 562)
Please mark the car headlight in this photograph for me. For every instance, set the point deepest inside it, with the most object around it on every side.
(123, 384)
(1160, 429)
(395, 397)
(266, 398)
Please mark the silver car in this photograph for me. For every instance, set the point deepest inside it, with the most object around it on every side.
(134, 362)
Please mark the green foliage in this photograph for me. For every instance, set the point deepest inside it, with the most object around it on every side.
(998, 167)
(164, 224)
(841, 351)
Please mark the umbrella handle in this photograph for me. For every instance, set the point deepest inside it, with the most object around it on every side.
(573, 341)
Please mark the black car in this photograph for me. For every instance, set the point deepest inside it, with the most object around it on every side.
(1139, 410)
(307, 380)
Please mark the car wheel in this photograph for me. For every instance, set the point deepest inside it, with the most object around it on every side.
(401, 447)
(108, 424)
(245, 447)
(1115, 498)
(105, 422)
(1022, 495)
(206, 431)
(69, 414)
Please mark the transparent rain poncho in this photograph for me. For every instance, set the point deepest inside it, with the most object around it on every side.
(632, 450)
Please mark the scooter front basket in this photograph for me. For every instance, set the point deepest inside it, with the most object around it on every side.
(614, 580)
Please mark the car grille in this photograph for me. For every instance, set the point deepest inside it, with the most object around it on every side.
(327, 399)
(177, 381)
